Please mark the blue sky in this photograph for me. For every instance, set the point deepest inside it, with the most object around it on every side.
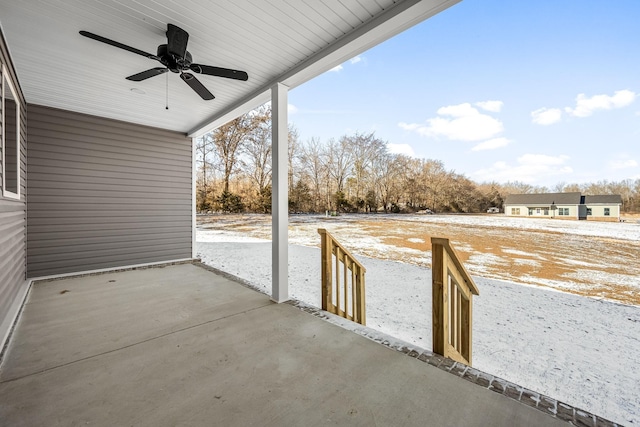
(542, 91)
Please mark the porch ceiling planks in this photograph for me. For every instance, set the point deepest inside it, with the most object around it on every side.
(281, 41)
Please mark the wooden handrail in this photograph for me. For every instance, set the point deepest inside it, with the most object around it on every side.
(452, 303)
(343, 285)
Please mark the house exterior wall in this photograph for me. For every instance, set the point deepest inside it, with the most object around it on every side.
(598, 213)
(560, 212)
(12, 218)
(104, 193)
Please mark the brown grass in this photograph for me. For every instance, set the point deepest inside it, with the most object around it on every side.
(589, 266)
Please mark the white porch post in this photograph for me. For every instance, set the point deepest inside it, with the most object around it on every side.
(279, 194)
(194, 181)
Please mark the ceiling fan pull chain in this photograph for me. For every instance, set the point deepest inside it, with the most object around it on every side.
(167, 93)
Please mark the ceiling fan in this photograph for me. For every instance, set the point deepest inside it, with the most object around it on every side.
(175, 57)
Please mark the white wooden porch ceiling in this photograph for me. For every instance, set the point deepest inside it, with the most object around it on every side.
(288, 41)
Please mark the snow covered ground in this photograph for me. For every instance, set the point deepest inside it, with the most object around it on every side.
(579, 350)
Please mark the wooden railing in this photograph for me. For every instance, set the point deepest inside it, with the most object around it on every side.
(342, 280)
(452, 293)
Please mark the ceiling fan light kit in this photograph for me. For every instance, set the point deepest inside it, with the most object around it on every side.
(175, 58)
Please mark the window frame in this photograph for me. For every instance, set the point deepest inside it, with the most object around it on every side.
(607, 211)
(7, 84)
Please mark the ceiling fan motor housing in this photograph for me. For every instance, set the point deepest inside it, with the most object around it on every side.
(173, 62)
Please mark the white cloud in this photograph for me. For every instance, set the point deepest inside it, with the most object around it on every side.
(460, 110)
(623, 164)
(546, 116)
(529, 168)
(587, 106)
(292, 109)
(352, 61)
(493, 106)
(409, 126)
(492, 144)
(405, 149)
(458, 122)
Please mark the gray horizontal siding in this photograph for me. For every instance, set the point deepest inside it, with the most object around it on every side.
(104, 193)
(12, 221)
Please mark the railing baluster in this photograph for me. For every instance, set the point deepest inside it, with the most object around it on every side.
(452, 293)
(348, 304)
(458, 321)
(346, 285)
(337, 272)
(354, 292)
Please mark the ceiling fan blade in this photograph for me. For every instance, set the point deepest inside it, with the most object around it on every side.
(198, 87)
(177, 39)
(219, 72)
(117, 44)
(148, 73)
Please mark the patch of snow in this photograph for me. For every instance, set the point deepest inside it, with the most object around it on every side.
(522, 253)
(523, 261)
(415, 240)
(579, 263)
(599, 277)
(212, 236)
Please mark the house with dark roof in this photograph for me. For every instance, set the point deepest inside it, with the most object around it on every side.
(564, 206)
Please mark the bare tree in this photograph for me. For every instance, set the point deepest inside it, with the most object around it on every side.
(364, 150)
(257, 152)
(204, 149)
(339, 162)
(229, 139)
(314, 167)
(292, 153)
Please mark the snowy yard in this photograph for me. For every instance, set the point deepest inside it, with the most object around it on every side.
(579, 350)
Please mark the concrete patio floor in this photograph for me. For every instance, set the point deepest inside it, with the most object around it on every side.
(180, 345)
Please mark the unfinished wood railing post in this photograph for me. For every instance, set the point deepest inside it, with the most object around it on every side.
(452, 290)
(343, 289)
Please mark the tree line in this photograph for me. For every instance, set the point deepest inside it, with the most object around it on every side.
(355, 173)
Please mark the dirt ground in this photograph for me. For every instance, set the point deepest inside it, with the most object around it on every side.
(594, 266)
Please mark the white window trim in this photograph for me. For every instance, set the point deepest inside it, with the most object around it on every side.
(6, 81)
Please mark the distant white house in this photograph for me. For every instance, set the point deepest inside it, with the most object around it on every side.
(564, 206)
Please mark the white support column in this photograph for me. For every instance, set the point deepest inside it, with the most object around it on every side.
(194, 180)
(279, 194)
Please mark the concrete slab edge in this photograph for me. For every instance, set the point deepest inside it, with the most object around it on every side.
(10, 322)
(548, 405)
(232, 277)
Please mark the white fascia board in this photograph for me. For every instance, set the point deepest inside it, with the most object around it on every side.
(391, 22)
